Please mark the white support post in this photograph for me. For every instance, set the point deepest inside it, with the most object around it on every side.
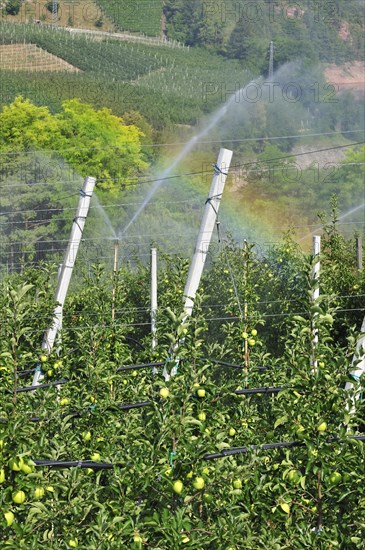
(205, 235)
(206, 229)
(315, 295)
(59, 338)
(154, 298)
(67, 267)
(115, 269)
(358, 360)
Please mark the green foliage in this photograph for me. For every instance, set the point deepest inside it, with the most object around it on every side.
(257, 499)
(12, 7)
(165, 84)
(244, 31)
(128, 15)
(81, 135)
(52, 5)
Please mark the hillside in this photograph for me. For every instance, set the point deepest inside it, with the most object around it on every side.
(330, 32)
(173, 93)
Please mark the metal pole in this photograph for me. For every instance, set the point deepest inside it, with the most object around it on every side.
(154, 298)
(205, 234)
(315, 295)
(115, 266)
(359, 256)
(271, 61)
(67, 267)
(54, 12)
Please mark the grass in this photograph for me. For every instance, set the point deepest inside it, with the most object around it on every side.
(144, 16)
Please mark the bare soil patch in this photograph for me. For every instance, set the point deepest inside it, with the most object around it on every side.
(349, 76)
(29, 57)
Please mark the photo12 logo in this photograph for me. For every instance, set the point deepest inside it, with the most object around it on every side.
(269, 91)
(270, 11)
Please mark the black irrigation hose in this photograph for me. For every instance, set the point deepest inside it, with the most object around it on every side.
(75, 464)
(135, 405)
(135, 341)
(269, 447)
(249, 391)
(229, 452)
(141, 366)
(41, 386)
(24, 373)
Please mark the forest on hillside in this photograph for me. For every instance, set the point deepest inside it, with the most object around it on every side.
(310, 31)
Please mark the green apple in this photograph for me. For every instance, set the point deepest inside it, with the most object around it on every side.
(321, 364)
(178, 487)
(300, 432)
(137, 539)
(254, 332)
(294, 476)
(95, 457)
(202, 416)
(237, 484)
(9, 518)
(232, 432)
(208, 498)
(16, 464)
(65, 401)
(244, 335)
(49, 372)
(164, 393)
(19, 497)
(44, 358)
(201, 393)
(26, 468)
(322, 427)
(86, 436)
(189, 475)
(2, 475)
(198, 483)
(251, 341)
(38, 492)
(335, 478)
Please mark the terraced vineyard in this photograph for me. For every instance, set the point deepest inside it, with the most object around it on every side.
(165, 84)
(140, 16)
(29, 57)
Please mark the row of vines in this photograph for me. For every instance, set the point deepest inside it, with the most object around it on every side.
(160, 474)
